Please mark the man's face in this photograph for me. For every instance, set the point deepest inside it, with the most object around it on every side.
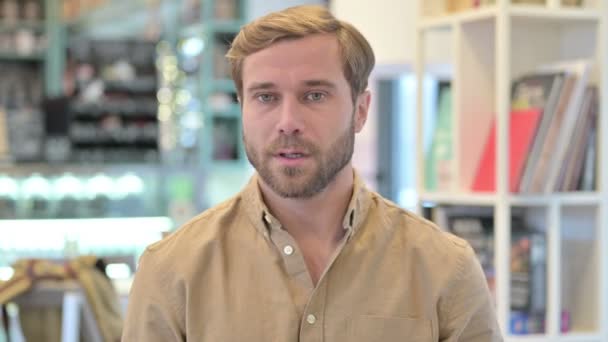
(299, 120)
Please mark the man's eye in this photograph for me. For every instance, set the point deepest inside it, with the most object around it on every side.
(315, 96)
(265, 98)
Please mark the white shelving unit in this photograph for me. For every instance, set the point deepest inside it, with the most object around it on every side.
(482, 51)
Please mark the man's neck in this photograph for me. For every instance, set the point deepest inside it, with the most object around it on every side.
(318, 217)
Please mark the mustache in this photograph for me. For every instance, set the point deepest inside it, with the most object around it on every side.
(292, 142)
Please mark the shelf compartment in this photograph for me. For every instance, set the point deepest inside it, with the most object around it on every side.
(437, 143)
(529, 260)
(474, 96)
(476, 225)
(580, 260)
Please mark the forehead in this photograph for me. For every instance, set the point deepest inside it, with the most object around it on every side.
(295, 60)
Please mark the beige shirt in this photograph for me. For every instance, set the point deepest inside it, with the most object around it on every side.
(232, 274)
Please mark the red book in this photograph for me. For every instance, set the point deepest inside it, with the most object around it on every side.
(522, 130)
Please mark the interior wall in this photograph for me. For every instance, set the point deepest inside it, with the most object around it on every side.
(389, 25)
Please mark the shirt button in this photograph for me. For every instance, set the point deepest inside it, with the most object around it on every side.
(311, 319)
(288, 250)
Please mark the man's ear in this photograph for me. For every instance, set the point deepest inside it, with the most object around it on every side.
(361, 109)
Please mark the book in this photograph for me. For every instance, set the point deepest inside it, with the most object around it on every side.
(528, 265)
(557, 149)
(440, 158)
(588, 180)
(570, 173)
(536, 90)
(522, 129)
(539, 166)
(549, 108)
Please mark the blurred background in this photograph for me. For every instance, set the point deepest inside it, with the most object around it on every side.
(119, 122)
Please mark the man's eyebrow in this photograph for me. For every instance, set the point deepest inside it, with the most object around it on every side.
(261, 86)
(320, 83)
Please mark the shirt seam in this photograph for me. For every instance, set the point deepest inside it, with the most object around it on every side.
(187, 227)
(460, 275)
(165, 286)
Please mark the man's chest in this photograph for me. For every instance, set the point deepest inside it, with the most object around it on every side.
(356, 300)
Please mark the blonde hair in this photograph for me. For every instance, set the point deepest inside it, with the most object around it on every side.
(297, 22)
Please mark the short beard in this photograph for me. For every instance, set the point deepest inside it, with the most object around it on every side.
(285, 181)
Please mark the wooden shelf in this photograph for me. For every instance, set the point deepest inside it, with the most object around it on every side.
(562, 338)
(26, 169)
(15, 57)
(527, 338)
(110, 12)
(567, 199)
(35, 25)
(569, 14)
(580, 337)
(449, 20)
(562, 14)
(485, 199)
(465, 199)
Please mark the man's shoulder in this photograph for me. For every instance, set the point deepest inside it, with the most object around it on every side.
(199, 231)
(420, 234)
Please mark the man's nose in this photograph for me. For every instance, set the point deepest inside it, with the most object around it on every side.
(290, 120)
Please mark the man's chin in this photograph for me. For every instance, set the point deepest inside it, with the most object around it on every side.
(292, 188)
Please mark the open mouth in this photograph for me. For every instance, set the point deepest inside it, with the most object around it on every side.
(292, 155)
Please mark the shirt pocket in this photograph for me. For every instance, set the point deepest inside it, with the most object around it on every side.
(389, 329)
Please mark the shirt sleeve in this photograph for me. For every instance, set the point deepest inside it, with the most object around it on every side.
(469, 314)
(152, 313)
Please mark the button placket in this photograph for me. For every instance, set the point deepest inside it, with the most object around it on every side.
(312, 323)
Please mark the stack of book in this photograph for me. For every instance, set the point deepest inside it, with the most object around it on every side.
(528, 259)
(552, 133)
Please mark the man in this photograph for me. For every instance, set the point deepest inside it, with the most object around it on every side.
(305, 252)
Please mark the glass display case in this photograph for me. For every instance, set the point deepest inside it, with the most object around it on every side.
(62, 211)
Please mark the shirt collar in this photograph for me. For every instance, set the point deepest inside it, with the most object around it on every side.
(264, 222)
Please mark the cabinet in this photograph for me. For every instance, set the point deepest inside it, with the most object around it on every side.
(119, 206)
(207, 30)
